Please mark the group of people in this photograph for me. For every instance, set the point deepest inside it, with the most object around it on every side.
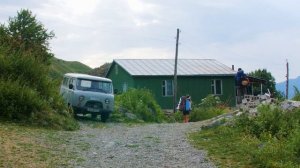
(185, 102)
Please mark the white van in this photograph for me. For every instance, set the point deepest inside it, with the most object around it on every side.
(86, 94)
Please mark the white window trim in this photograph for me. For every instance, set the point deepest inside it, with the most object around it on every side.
(164, 85)
(215, 88)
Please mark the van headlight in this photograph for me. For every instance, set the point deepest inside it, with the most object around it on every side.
(81, 98)
(106, 101)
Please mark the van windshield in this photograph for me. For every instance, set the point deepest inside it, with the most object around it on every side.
(94, 85)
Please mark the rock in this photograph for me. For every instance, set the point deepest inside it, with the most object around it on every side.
(290, 104)
(131, 116)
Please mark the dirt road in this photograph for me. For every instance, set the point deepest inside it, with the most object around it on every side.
(146, 145)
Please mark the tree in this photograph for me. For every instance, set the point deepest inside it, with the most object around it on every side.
(26, 91)
(270, 82)
(29, 35)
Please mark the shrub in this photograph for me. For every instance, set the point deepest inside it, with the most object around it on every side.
(271, 119)
(210, 107)
(140, 103)
(23, 104)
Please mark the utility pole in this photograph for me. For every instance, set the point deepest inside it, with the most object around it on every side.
(287, 80)
(175, 74)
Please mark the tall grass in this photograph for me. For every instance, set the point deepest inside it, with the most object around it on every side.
(28, 95)
(279, 134)
(140, 104)
(271, 139)
(210, 107)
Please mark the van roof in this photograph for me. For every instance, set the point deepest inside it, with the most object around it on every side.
(86, 76)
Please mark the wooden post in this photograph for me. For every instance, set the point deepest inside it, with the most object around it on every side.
(175, 74)
(287, 81)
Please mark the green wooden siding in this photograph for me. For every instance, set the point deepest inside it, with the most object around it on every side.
(198, 87)
(119, 77)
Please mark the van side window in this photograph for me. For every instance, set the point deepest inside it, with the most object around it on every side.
(71, 81)
(65, 82)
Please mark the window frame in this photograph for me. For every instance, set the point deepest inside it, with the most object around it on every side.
(214, 87)
(165, 88)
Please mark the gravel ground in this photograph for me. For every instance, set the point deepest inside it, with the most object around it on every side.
(149, 145)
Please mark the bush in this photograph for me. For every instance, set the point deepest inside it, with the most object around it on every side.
(23, 104)
(140, 104)
(279, 134)
(271, 119)
(210, 107)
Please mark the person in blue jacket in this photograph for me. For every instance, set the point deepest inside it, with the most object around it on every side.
(188, 109)
(240, 75)
(241, 90)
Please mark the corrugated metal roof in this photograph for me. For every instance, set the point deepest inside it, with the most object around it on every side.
(165, 67)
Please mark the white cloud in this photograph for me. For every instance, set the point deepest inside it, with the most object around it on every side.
(249, 34)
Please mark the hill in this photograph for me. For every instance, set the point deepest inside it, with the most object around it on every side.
(292, 82)
(59, 67)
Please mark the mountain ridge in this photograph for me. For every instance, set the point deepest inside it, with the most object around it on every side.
(292, 82)
(59, 67)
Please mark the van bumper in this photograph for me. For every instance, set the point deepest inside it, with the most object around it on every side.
(85, 110)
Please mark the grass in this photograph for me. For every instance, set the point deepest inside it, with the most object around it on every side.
(226, 147)
(60, 67)
(22, 146)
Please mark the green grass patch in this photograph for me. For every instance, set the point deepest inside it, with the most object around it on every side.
(22, 146)
(226, 147)
(271, 139)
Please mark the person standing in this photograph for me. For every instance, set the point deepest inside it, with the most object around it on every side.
(187, 110)
(240, 88)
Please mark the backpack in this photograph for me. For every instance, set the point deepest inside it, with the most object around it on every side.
(182, 103)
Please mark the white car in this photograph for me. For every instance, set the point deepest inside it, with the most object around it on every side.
(86, 94)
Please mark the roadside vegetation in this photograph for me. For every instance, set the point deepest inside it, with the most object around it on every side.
(27, 93)
(22, 146)
(137, 105)
(272, 139)
(211, 106)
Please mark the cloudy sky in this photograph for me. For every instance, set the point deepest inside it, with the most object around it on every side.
(252, 34)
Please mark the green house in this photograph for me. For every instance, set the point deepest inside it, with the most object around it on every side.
(196, 77)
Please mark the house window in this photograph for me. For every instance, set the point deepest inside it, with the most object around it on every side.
(125, 87)
(167, 88)
(216, 87)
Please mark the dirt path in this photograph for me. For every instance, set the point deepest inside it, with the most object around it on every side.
(150, 145)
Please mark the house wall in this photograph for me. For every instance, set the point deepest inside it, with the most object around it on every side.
(198, 87)
(120, 77)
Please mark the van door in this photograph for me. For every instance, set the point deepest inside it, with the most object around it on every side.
(64, 88)
(70, 92)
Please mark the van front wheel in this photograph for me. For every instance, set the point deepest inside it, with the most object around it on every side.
(104, 117)
(94, 115)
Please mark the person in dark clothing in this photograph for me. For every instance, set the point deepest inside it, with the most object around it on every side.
(240, 87)
(240, 75)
